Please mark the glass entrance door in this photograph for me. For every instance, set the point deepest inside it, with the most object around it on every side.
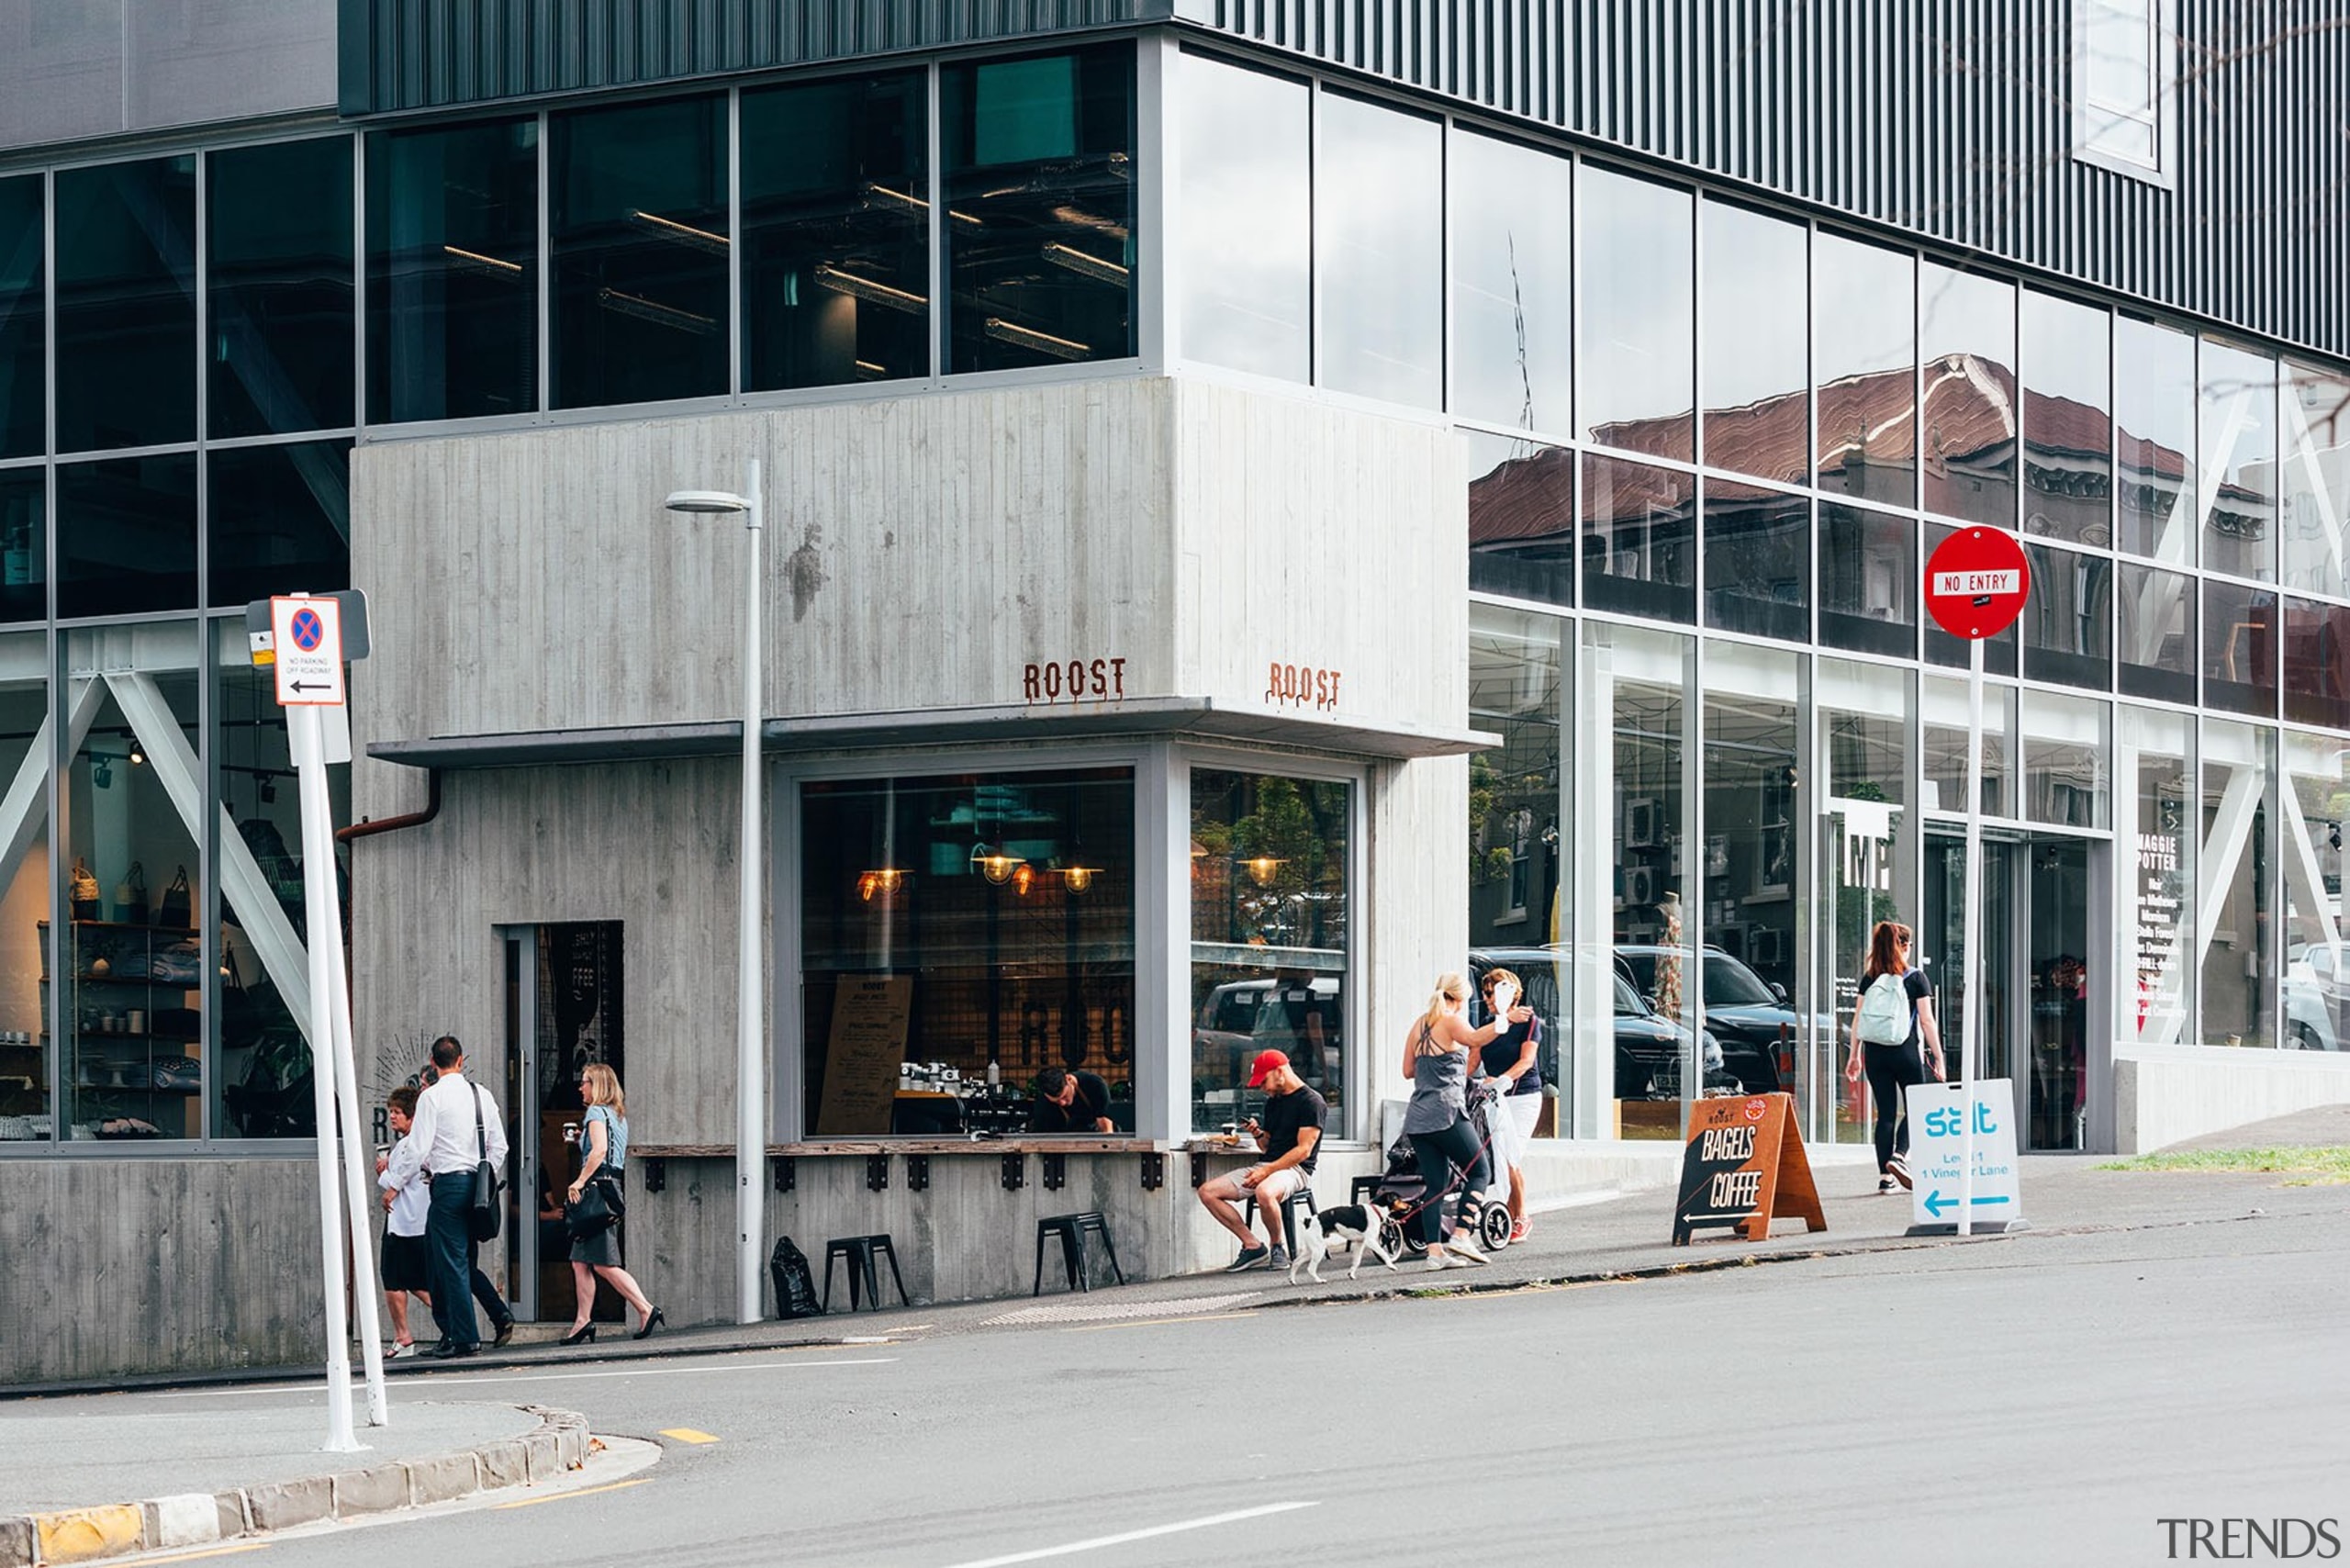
(2056, 954)
(2039, 999)
(1942, 947)
(563, 1010)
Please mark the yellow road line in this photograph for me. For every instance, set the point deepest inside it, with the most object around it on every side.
(687, 1435)
(1158, 1322)
(566, 1496)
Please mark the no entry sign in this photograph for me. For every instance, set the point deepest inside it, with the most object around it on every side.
(1977, 582)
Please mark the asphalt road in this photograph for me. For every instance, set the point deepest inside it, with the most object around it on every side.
(2035, 1399)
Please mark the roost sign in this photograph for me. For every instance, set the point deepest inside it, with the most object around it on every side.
(1744, 1167)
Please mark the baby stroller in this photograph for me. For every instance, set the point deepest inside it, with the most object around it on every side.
(1486, 1215)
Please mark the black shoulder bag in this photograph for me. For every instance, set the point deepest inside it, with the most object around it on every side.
(483, 1219)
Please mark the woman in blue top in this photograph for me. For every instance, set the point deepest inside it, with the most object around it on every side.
(603, 1138)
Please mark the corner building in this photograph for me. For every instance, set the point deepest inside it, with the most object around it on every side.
(1261, 502)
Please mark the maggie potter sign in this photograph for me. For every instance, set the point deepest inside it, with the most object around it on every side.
(1744, 1166)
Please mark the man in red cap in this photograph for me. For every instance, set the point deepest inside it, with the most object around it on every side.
(1293, 1126)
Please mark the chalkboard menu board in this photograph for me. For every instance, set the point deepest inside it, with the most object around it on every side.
(862, 1055)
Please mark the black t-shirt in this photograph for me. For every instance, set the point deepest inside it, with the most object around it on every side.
(1919, 989)
(1092, 1101)
(1286, 1116)
(1500, 1054)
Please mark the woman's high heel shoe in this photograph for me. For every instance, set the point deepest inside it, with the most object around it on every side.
(579, 1336)
(652, 1320)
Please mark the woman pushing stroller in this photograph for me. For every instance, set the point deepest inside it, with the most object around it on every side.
(1436, 1052)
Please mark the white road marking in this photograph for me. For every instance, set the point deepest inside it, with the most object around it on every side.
(447, 1382)
(1100, 1542)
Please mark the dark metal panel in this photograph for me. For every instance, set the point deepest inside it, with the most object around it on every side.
(414, 55)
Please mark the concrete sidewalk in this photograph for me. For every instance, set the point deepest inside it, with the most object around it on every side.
(263, 1470)
(203, 1476)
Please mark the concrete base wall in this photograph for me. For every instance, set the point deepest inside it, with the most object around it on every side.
(962, 1238)
(2163, 1094)
(118, 1267)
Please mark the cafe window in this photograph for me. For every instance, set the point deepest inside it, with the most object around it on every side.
(1270, 937)
(1039, 155)
(960, 935)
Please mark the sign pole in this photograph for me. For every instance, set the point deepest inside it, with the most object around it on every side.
(1972, 977)
(302, 727)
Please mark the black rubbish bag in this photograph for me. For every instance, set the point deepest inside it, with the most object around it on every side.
(795, 1282)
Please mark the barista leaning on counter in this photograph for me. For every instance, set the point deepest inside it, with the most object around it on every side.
(1070, 1101)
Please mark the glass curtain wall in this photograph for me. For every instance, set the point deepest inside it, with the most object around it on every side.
(1517, 836)
(1641, 926)
(126, 304)
(280, 288)
(1966, 345)
(28, 1039)
(23, 398)
(2236, 954)
(1636, 355)
(1754, 316)
(2315, 501)
(2067, 355)
(1513, 281)
(1749, 874)
(453, 272)
(1865, 364)
(1866, 847)
(2238, 416)
(1243, 233)
(1039, 151)
(639, 251)
(2314, 801)
(2154, 429)
(1521, 517)
(835, 189)
(24, 543)
(1379, 237)
(2156, 913)
(1272, 879)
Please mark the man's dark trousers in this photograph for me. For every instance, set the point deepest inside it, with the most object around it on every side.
(449, 1239)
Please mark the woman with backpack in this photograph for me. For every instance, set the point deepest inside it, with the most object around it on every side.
(1895, 1042)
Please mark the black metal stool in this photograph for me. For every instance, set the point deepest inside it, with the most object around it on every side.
(857, 1252)
(1362, 1188)
(1073, 1229)
(1304, 1194)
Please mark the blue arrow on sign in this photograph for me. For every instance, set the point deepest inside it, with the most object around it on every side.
(1936, 1203)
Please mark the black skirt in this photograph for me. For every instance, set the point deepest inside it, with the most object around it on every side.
(603, 1248)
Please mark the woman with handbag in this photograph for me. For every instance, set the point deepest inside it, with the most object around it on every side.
(595, 1241)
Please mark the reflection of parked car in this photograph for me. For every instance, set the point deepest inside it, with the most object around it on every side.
(1744, 1011)
(1647, 1047)
(2313, 994)
(1243, 1018)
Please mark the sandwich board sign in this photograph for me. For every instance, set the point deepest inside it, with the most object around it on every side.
(1940, 1132)
(1744, 1167)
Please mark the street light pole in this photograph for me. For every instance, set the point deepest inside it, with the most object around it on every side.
(750, 1067)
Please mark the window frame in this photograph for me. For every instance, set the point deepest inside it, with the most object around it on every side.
(2092, 117)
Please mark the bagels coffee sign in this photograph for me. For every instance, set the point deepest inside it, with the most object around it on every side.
(1744, 1167)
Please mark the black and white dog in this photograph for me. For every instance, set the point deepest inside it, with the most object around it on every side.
(1365, 1225)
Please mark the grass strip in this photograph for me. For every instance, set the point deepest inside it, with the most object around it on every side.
(2324, 1166)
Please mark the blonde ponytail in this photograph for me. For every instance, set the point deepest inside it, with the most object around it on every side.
(1449, 989)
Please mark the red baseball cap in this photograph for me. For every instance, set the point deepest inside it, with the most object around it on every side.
(1263, 1068)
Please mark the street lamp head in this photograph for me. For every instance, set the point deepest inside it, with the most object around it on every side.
(705, 501)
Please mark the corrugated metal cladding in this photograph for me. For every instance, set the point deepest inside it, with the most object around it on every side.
(420, 54)
(1946, 118)
(1949, 118)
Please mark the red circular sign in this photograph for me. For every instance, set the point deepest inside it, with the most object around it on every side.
(1977, 582)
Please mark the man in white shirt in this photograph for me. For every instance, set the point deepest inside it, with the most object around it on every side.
(446, 1136)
